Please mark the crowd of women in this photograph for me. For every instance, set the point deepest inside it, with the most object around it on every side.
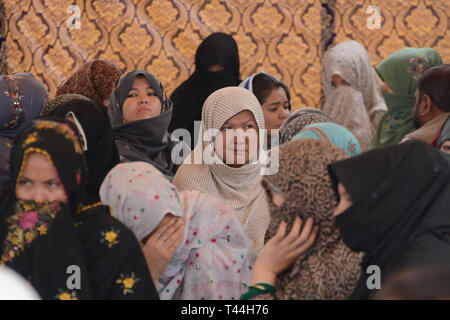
(103, 198)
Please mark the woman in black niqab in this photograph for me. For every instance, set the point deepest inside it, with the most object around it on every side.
(218, 52)
(400, 212)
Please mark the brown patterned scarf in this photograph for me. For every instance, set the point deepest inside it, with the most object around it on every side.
(329, 269)
(94, 79)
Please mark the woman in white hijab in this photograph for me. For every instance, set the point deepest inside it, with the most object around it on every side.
(228, 111)
(352, 90)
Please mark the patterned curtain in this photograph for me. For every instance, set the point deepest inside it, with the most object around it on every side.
(283, 37)
(2, 39)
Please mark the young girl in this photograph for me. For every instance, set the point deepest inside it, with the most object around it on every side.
(140, 113)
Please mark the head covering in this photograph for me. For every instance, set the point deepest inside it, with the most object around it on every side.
(15, 287)
(101, 152)
(239, 188)
(445, 134)
(22, 98)
(351, 61)
(399, 72)
(94, 79)
(329, 269)
(298, 120)
(248, 84)
(123, 87)
(217, 49)
(58, 142)
(346, 98)
(45, 230)
(52, 104)
(215, 259)
(143, 140)
(333, 134)
(399, 206)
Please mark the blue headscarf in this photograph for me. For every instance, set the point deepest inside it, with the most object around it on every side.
(22, 98)
(334, 133)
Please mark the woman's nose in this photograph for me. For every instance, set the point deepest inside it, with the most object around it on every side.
(143, 100)
(284, 113)
(40, 194)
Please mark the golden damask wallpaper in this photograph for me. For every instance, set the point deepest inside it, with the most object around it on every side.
(284, 37)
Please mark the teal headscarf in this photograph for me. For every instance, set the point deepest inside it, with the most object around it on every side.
(334, 133)
(399, 72)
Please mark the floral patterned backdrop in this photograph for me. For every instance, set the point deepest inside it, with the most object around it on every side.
(284, 37)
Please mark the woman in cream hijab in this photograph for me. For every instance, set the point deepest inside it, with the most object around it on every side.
(231, 170)
(352, 90)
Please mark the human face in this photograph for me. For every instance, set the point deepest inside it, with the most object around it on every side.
(345, 201)
(238, 140)
(275, 109)
(445, 147)
(337, 81)
(39, 181)
(142, 102)
(425, 109)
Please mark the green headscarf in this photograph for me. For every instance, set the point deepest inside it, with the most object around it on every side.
(399, 72)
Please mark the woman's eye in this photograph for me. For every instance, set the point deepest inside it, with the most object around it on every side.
(24, 182)
(151, 94)
(131, 95)
(53, 184)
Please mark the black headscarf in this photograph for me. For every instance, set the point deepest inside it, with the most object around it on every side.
(101, 154)
(144, 140)
(38, 239)
(111, 250)
(59, 141)
(401, 201)
(217, 49)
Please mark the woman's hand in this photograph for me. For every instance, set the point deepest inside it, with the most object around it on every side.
(281, 251)
(162, 244)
